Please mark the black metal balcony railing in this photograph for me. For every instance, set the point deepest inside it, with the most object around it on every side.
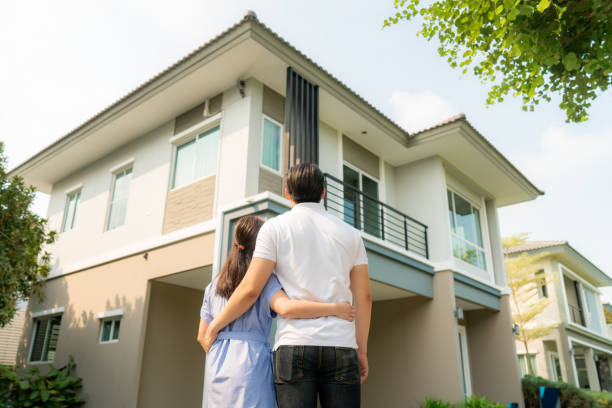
(576, 314)
(368, 214)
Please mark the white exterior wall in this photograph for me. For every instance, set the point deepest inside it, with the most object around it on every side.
(240, 144)
(145, 206)
(329, 150)
(420, 191)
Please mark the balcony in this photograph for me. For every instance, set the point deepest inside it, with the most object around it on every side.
(576, 315)
(368, 214)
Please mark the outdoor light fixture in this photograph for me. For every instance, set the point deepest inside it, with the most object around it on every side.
(241, 86)
(516, 330)
(459, 313)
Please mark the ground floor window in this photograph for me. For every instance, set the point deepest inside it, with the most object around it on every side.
(523, 362)
(44, 338)
(109, 330)
(581, 371)
(555, 367)
(465, 362)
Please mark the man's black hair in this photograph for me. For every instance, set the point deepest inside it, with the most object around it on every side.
(305, 183)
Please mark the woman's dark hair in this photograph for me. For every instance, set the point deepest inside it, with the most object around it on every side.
(239, 258)
(305, 183)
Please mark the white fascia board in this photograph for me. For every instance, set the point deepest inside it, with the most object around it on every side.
(109, 313)
(48, 312)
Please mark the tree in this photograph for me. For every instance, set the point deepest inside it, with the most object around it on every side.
(523, 281)
(531, 48)
(23, 262)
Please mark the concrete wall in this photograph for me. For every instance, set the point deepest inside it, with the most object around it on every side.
(111, 372)
(421, 193)
(173, 361)
(9, 338)
(493, 363)
(413, 349)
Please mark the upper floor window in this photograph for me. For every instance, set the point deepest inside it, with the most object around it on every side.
(361, 210)
(541, 284)
(109, 330)
(466, 230)
(592, 309)
(271, 145)
(44, 338)
(197, 158)
(118, 205)
(70, 210)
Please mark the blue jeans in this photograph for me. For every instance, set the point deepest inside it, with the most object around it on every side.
(301, 373)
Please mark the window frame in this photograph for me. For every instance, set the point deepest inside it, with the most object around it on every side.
(555, 376)
(68, 194)
(116, 172)
(464, 359)
(361, 174)
(188, 136)
(541, 284)
(36, 323)
(525, 359)
(281, 145)
(115, 320)
(484, 231)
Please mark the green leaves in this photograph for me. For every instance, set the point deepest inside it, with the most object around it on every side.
(524, 47)
(23, 235)
(544, 4)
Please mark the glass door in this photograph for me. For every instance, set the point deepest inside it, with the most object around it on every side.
(361, 212)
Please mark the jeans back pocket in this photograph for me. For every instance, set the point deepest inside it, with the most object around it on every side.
(289, 364)
(347, 366)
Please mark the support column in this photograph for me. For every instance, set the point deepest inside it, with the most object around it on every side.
(494, 365)
(591, 369)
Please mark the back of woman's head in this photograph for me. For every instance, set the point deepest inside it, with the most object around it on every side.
(239, 258)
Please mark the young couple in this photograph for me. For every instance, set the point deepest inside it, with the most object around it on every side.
(307, 266)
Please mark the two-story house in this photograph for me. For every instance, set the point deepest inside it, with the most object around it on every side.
(145, 195)
(578, 349)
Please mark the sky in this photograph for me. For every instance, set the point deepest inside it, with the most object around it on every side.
(64, 61)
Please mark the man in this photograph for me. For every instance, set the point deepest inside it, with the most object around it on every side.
(316, 257)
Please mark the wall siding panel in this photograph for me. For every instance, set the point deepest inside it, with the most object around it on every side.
(189, 205)
(269, 181)
(360, 157)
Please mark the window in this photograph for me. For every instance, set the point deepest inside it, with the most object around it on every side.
(109, 330)
(592, 309)
(44, 338)
(271, 145)
(197, 158)
(466, 231)
(70, 209)
(532, 369)
(118, 205)
(541, 284)
(555, 367)
(359, 210)
(581, 371)
(465, 362)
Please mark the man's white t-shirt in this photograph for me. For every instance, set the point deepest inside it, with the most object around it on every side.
(314, 253)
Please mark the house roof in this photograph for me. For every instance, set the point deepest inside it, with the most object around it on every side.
(531, 245)
(251, 49)
(567, 255)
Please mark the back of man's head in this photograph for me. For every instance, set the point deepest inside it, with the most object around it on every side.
(305, 183)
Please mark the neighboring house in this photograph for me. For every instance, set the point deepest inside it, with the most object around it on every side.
(578, 350)
(10, 335)
(146, 193)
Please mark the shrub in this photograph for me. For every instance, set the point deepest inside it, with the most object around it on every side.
(471, 402)
(571, 396)
(55, 389)
(603, 398)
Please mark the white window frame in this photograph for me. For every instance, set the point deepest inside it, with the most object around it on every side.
(261, 148)
(526, 360)
(540, 288)
(360, 172)
(116, 171)
(480, 206)
(464, 357)
(50, 314)
(554, 375)
(113, 321)
(587, 314)
(187, 136)
(69, 193)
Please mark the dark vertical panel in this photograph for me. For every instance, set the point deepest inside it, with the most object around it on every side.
(301, 120)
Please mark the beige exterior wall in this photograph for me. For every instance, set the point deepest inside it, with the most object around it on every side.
(189, 205)
(360, 157)
(111, 372)
(493, 363)
(172, 371)
(413, 349)
(9, 338)
(269, 181)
